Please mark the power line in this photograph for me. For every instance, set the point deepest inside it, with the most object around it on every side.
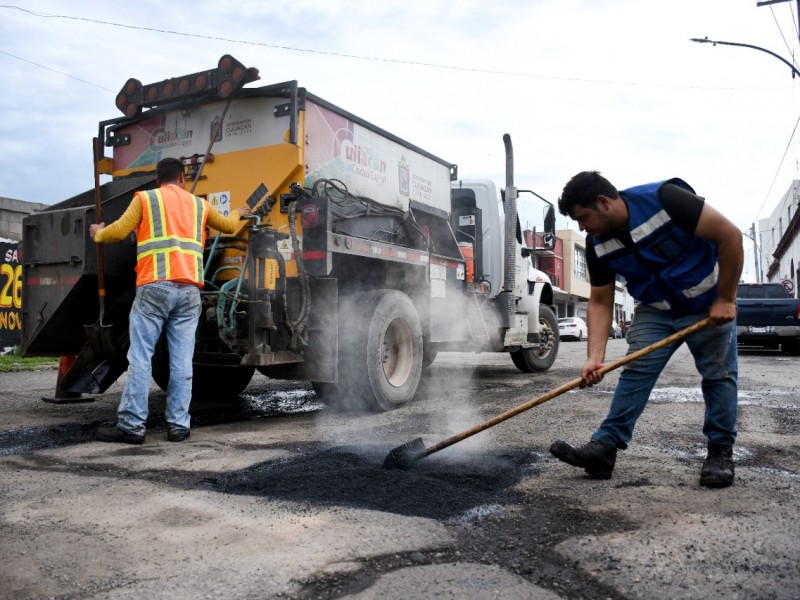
(55, 71)
(365, 58)
(783, 37)
(785, 152)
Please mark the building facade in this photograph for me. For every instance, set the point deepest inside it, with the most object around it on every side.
(566, 267)
(777, 239)
(11, 214)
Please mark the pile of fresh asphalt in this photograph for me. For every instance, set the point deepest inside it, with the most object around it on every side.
(474, 495)
(346, 477)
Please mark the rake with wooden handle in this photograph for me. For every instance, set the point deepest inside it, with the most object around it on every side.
(403, 457)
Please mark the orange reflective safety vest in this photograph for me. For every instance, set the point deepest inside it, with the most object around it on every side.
(170, 236)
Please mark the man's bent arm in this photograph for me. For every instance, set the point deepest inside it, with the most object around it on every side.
(225, 224)
(716, 228)
(119, 229)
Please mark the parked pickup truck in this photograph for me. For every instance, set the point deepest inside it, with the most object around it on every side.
(768, 316)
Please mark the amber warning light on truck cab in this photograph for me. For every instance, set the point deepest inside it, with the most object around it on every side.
(229, 75)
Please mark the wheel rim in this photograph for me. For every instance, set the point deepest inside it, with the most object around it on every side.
(546, 332)
(398, 353)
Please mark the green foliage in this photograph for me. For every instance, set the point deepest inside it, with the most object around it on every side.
(15, 362)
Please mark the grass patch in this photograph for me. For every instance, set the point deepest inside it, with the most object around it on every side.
(15, 362)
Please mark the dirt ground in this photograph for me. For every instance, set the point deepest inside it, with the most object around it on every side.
(279, 496)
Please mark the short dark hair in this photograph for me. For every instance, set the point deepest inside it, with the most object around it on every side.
(583, 190)
(168, 169)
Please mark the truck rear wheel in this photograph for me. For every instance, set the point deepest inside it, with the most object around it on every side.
(208, 381)
(380, 352)
(537, 360)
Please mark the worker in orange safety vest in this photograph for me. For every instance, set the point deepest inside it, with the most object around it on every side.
(170, 225)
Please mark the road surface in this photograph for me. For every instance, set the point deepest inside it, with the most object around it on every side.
(279, 496)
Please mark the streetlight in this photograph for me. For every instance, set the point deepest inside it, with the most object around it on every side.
(795, 72)
(705, 40)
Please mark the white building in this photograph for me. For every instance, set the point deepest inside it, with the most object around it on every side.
(11, 214)
(779, 243)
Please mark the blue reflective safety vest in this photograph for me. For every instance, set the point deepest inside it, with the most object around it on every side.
(665, 266)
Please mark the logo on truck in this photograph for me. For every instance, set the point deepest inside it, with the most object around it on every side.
(216, 130)
(366, 163)
(404, 176)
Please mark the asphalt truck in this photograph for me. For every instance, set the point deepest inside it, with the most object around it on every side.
(364, 257)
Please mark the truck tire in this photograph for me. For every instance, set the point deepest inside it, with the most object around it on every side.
(792, 348)
(538, 360)
(429, 353)
(325, 391)
(380, 352)
(213, 382)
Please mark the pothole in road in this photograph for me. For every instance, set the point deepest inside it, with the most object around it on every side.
(697, 454)
(276, 403)
(475, 495)
(664, 395)
(248, 406)
(29, 439)
(435, 489)
(255, 405)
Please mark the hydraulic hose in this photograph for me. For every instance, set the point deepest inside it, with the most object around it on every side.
(299, 324)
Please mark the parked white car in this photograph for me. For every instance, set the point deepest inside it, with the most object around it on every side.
(616, 330)
(573, 328)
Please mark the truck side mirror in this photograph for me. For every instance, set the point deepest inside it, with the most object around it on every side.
(549, 237)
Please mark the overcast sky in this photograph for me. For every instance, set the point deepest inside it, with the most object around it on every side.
(612, 85)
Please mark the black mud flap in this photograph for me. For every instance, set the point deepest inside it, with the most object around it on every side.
(93, 373)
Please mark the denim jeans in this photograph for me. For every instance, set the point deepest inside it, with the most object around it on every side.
(175, 309)
(715, 356)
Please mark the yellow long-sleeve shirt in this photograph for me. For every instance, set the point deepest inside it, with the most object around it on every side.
(119, 229)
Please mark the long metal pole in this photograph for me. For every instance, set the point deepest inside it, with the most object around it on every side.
(795, 72)
(755, 251)
(768, 2)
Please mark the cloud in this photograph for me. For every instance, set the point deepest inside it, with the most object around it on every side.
(578, 84)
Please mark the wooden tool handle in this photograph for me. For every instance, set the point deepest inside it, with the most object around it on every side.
(567, 387)
(98, 209)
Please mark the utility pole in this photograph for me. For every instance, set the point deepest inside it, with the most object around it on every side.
(795, 73)
(768, 2)
(755, 251)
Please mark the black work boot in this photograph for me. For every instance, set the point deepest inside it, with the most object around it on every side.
(717, 471)
(115, 434)
(595, 457)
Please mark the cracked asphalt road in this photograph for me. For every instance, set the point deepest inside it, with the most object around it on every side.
(279, 496)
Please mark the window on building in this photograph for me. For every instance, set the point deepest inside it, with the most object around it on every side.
(579, 268)
(780, 227)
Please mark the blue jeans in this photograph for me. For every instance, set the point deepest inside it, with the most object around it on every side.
(175, 309)
(715, 356)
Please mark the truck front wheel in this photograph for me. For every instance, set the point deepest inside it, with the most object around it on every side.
(537, 360)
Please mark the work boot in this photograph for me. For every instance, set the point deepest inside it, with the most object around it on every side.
(115, 434)
(717, 471)
(595, 457)
(177, 434)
